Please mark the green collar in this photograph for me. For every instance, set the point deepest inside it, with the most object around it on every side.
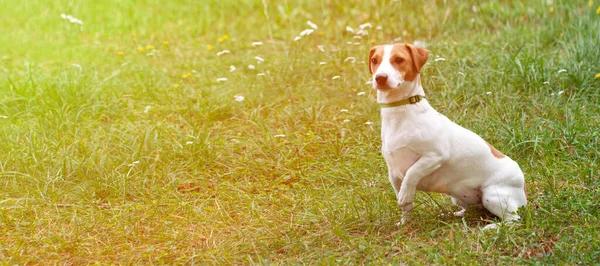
(410, 100)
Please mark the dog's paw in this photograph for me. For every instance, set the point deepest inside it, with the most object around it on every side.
(490, 227)
(460, 213)
(405, 200)
(403, 221)
(504, 224)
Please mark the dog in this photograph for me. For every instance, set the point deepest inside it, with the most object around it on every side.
(424, 150)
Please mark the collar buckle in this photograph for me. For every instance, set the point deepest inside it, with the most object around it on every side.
(414, 99)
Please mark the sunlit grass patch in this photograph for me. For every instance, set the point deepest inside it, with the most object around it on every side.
(240, 132)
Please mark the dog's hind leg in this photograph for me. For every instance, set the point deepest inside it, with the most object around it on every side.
(460, 204)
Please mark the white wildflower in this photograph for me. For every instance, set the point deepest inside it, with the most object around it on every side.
(71, 19)
(488, 93)
(546, 82)
(357, 37)
(4, 116)
(260, 59)
(562, 70)
(279, 136)
(349, 43)
(239, 98)
(232, 68)
(297, 38)
(440, 59)
(421, 44)
(561, 92)
(335, 77)
(362, 32)
(147, 109)
(368, 123)
(322, 63)
(251, 67)
(306, 32)
(221, 79)
(223, 52)
(189, 142)
(350, 59)
(260, 74)
(346, 120)
(257, 43)
(344, 111)
(379, 27)
(349, 29)
(312, 25)
(364, 26)
(360, 93)
(321, 48)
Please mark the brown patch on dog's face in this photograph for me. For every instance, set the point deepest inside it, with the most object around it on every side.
(495, 152)
(375, 56)
(408, 60)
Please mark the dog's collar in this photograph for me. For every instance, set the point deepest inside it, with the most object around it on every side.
(409, 100)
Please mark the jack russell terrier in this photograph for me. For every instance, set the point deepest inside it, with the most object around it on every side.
(424, 150)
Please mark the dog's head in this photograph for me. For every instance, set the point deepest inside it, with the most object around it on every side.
(392, 65)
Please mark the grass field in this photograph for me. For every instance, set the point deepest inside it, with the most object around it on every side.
(120, 146)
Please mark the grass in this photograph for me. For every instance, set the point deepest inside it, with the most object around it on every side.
(128, 159)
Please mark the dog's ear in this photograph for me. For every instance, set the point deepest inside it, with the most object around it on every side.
(419, 56)
(371, 53)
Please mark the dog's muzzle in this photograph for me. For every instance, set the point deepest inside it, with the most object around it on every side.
(381, 79)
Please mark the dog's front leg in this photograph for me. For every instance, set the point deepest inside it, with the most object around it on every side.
(422, 168)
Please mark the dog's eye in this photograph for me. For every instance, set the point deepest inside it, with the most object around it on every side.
(399, 60)
(374, 60)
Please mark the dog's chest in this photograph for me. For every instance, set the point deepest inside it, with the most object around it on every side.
(398, 156)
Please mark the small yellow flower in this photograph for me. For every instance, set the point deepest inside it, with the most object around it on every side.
(321, 33)
(591, 3)
(176, 86)
(150, 47)
(372, 41)
(598, 11)
(165, 43)
(140, 49)
(209, 47)
(222, 39)
(551, 9)
(598, 76)
(120, 53)
(187, 75)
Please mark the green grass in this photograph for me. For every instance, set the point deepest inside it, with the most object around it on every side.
(96, 148)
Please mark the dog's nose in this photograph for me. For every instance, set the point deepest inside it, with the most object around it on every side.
(381, 79)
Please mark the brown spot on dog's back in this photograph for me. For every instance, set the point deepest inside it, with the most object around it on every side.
(495, 152)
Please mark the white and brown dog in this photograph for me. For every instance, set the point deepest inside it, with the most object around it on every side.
(425, 150)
